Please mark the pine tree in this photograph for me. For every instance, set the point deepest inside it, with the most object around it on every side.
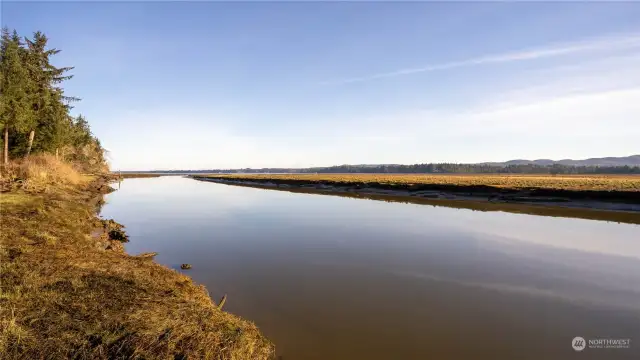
(16, 115)
(55, 124)
(34, 110)
(48, 101)
(81, 133)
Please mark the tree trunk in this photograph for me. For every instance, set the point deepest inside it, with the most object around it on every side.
(6, 145)
(32, 134)
(56, 153)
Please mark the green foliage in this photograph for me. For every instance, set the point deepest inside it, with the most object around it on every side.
(15, 115)
(33, 99)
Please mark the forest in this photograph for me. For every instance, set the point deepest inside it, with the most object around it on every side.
(450, 168)
(35, 111)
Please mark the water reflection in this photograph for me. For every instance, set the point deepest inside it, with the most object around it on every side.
(629, 217)
(327, 277)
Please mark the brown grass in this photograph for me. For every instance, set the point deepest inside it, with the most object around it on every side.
(41, 171)
(63, 295)
(517, 182)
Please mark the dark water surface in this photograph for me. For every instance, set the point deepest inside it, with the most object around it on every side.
(326, 277)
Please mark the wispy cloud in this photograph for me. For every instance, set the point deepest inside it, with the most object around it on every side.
(599, 44)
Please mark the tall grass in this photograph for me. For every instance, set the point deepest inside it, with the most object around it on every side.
(41, 170)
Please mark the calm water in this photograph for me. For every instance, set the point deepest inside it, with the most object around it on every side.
(327, 277)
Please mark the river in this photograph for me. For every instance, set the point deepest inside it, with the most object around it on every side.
(327, 277)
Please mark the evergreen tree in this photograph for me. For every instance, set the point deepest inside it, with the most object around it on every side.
(81, 133)
(48, 101)
(33, 102)
(16, 115)
(55, 125)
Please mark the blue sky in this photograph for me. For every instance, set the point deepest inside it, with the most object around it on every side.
(197, 85)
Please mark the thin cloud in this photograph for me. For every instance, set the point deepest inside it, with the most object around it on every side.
(612, 43)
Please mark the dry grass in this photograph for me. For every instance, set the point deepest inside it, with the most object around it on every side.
(41, 171)
(63, 295)
(628, 183)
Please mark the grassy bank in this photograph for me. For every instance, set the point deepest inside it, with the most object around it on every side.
(602, 188)
(625, 183)
(610, 198)
(69, 291)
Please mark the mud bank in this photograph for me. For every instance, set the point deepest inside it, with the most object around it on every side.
(596, 205)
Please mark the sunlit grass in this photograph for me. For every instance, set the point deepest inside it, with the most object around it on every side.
(64, 295)
(571, 182)
(16, 199)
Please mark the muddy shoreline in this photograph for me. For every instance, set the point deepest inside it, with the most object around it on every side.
(596, 205)
(65, 266)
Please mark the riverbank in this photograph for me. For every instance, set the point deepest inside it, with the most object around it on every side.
(133, 175)
(70, 291)
(615, 198)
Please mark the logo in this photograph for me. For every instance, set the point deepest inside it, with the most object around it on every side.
(578, 343)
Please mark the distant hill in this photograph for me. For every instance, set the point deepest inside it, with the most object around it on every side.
(633, 160)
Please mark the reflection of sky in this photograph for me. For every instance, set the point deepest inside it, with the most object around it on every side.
(572, 259)
(585, 235)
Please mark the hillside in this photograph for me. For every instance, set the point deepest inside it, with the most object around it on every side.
(633, 160)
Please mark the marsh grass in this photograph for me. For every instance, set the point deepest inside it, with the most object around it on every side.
(628, 183)
(63, 296)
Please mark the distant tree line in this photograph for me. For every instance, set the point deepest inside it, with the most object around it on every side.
(444, 168)
(450, 168)
(34, 109)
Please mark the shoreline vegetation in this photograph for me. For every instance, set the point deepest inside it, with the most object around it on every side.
(70, 291)
(610, 198)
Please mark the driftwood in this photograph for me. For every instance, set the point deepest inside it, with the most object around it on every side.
(222, 301)
(147, 255)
